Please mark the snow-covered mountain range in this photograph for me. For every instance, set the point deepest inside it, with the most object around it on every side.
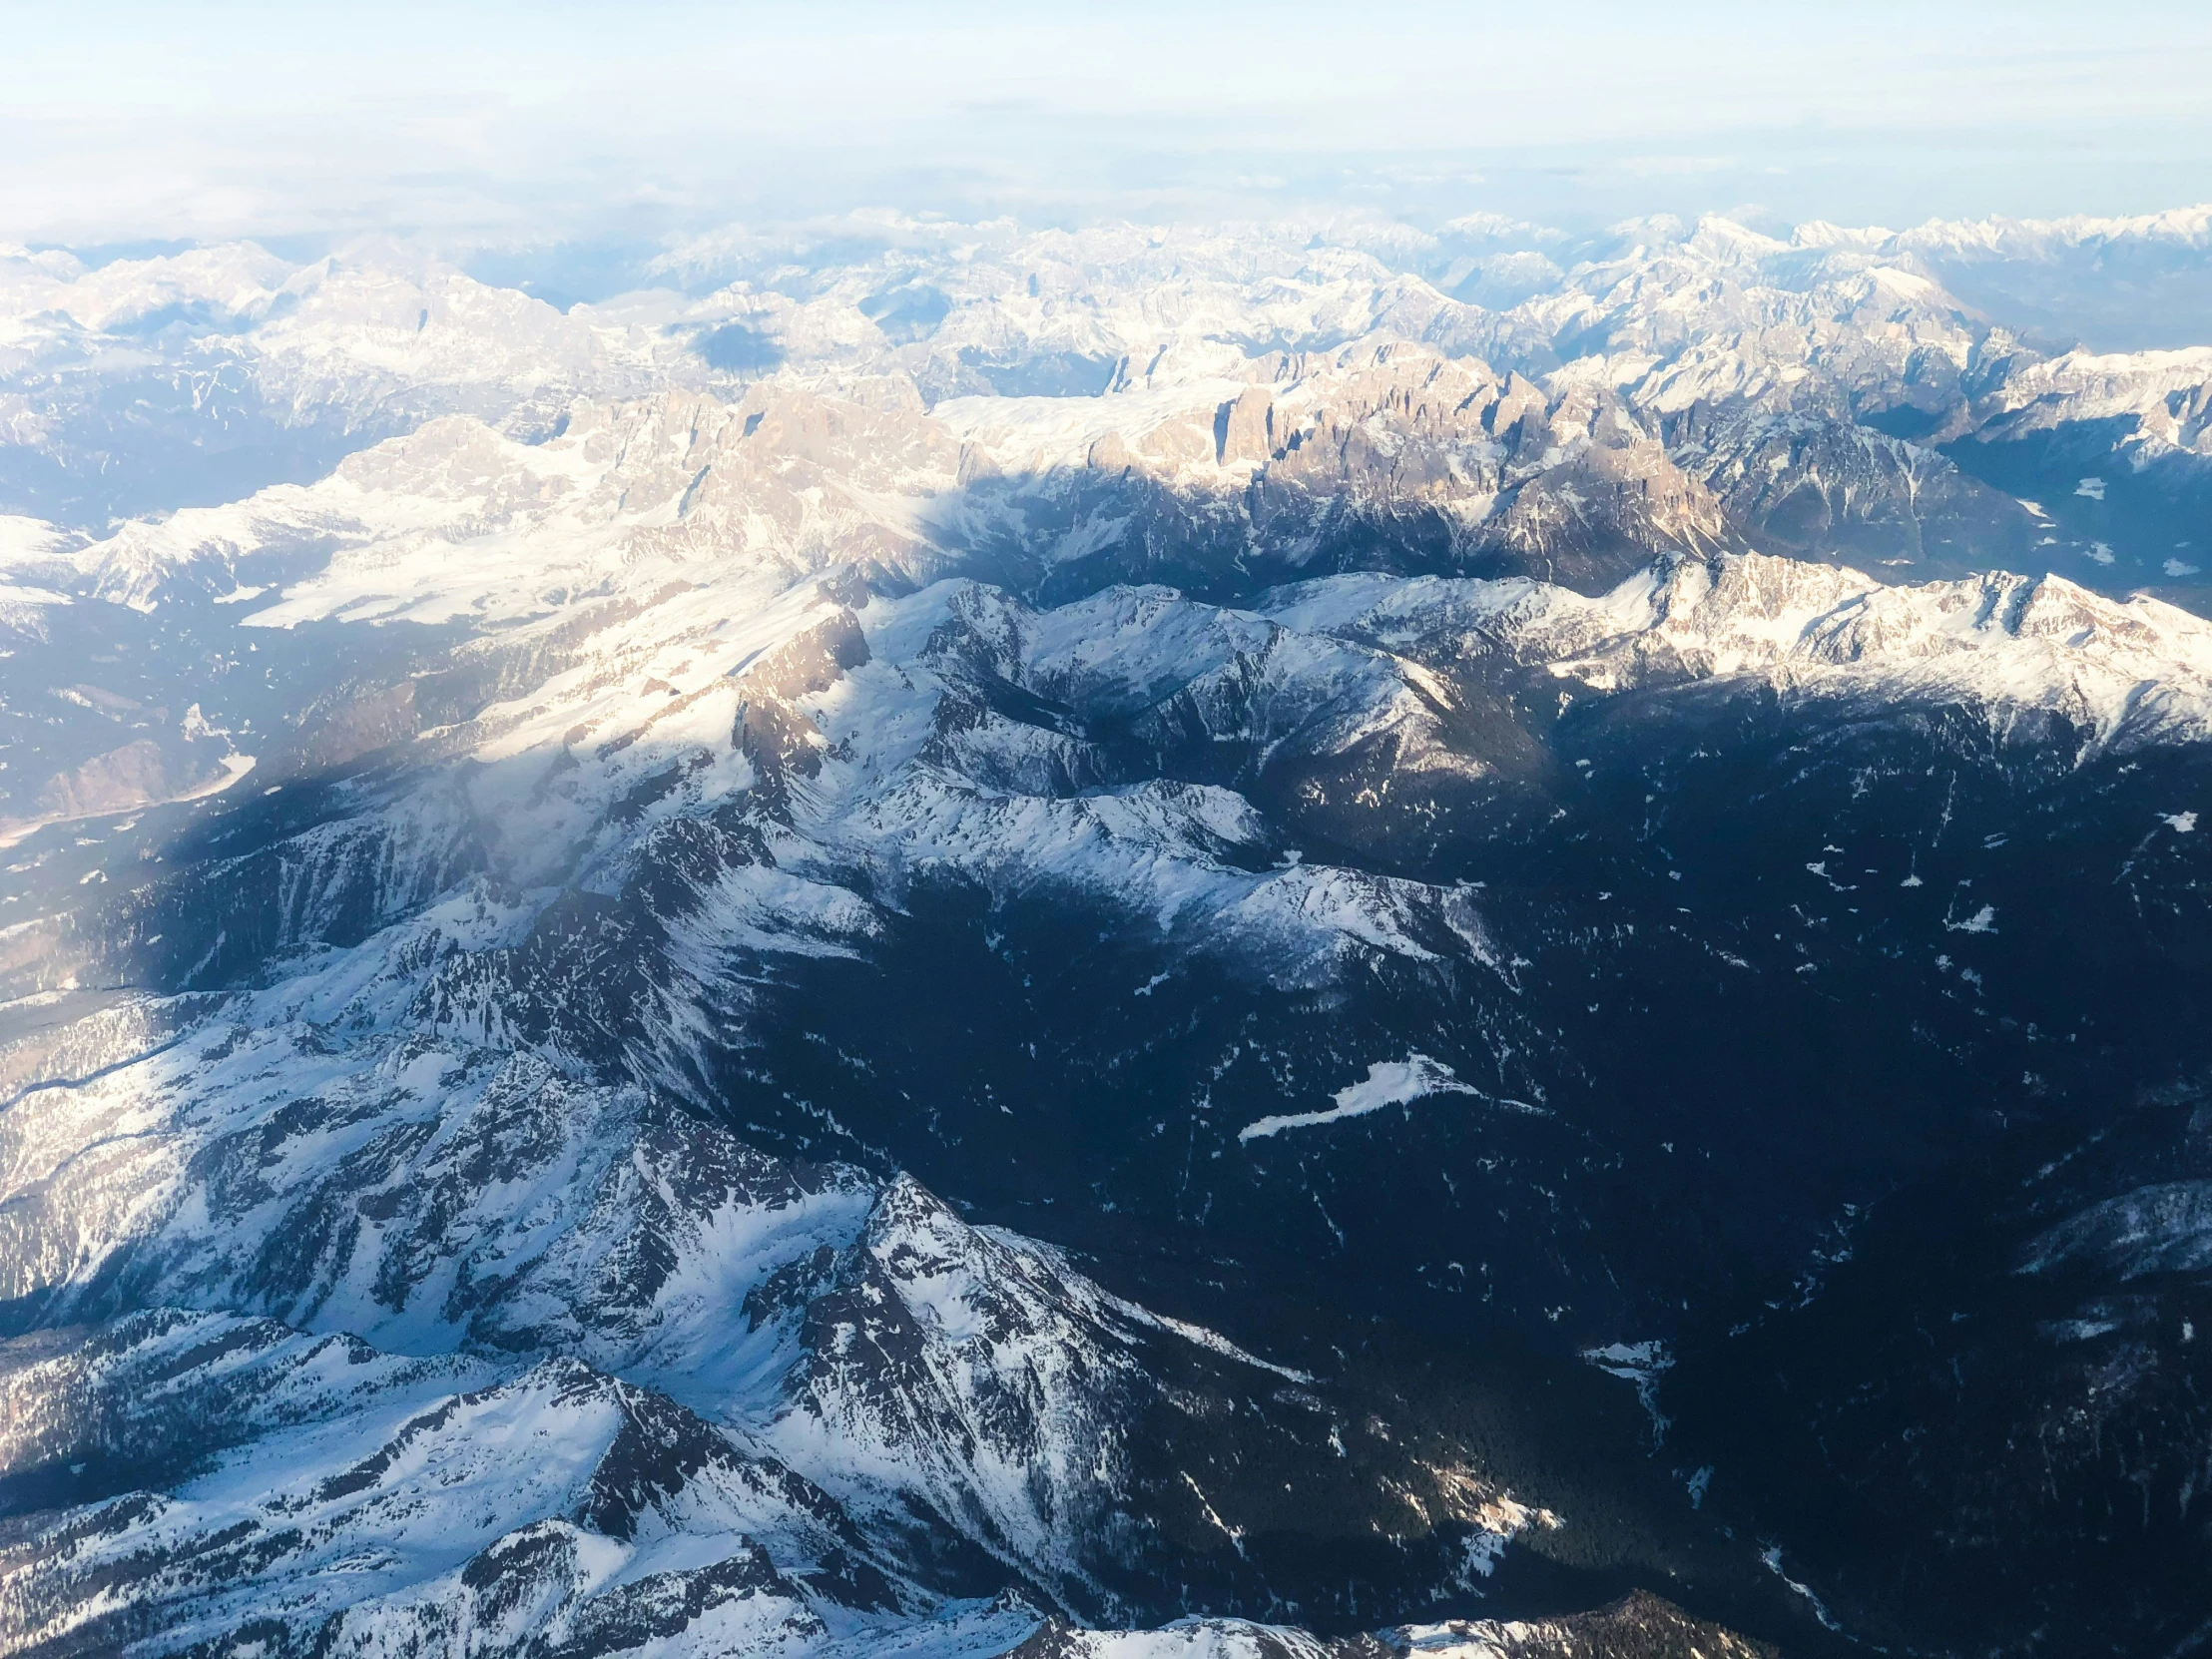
(953, 940)
(1774, 365)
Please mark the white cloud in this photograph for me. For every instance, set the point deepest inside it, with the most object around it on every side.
(138, 118)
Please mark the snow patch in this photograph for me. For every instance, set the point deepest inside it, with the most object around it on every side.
(1772, 1556)
(1388, 1083)
(1642, 1364)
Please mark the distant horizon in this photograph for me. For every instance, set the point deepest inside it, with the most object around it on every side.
(2159, 305)
(1317, 218)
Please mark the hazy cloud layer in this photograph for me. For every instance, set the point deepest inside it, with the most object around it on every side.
(497, 123)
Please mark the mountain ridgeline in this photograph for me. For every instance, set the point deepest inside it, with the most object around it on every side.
(1262, 943)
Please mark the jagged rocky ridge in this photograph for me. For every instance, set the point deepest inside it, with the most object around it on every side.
(634, 939)
(1826, 388)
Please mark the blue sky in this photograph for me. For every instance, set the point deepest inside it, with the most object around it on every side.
(495, 124)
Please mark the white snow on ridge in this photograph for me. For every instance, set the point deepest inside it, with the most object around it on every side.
(2137, 668)
(2162, 1227)
(2131, 671)
(1045, 432)
(1643, 1364)
(1212, 1341)
(1388, 1083)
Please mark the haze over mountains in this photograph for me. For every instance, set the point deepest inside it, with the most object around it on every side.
(952, 938)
